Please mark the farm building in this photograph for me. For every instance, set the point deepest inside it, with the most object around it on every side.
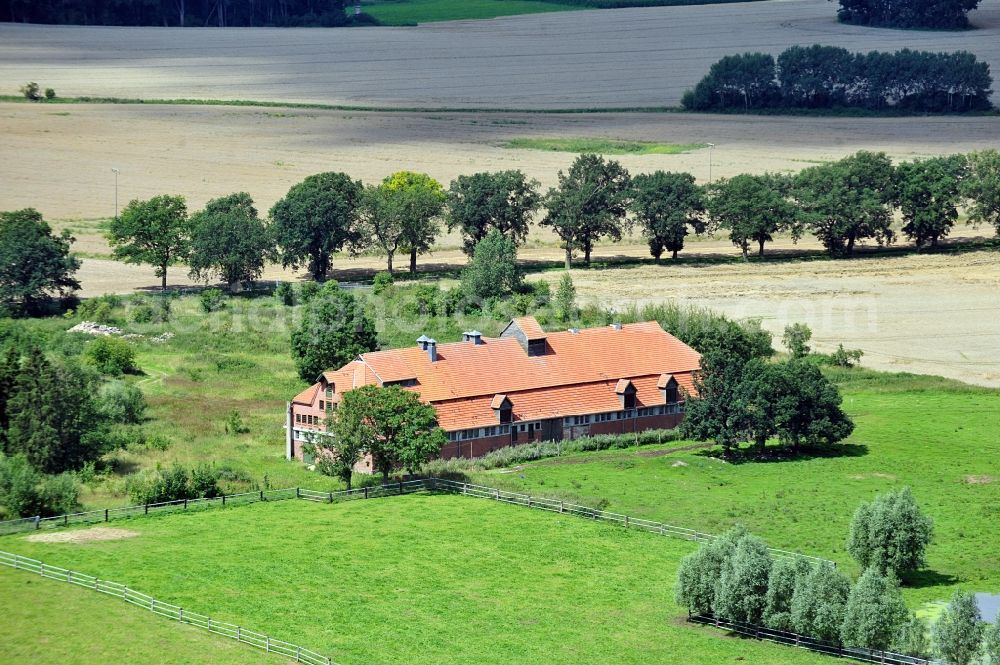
(525, 385)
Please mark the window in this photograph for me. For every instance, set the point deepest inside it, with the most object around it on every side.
(505, 429)
(536, 347)
(568, 420)
(628, 400)
(506, 415)
(322, 405)
(329, 392)
(298, 417)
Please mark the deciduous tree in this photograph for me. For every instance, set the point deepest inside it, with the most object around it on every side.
(156, 232)
(982, 188)
(849, 201)
(958, 632)
(481, 202)
(666, 205)
(316, 219)
(890, 534)
(786, 574)
(875, 612)
(806, 408)
(493, 271)
(590, 203)
(819, 602)
(796, 339)
(929, 193)
(741, 592)
(229, 239)
(753, 208)
(699, 572)
(334, 330)
(34, 262)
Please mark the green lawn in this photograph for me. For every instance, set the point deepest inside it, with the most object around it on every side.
(936, 436)
(603, 146)
(419, 579)
(411, 12)
(53, 623)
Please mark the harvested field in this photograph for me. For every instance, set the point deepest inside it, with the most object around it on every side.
(587, 59)
(65, 153)
(927, 314)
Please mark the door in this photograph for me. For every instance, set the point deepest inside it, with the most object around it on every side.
(552, 429)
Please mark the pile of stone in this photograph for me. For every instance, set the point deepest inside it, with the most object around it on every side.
(91, 328)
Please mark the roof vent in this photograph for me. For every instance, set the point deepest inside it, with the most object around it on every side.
(432, 350)
(473, 336)
(616, 325)
(422, 341)
(574, 331)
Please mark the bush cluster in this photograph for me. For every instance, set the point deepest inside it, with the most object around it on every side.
(173, 484)
(825, 77)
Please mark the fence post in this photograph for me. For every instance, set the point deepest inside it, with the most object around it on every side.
(69, 576)
(366, 491)
(400, 486)
(38, 522)
(147, 509)
(626, 521)
(239, 634)
(209, 624)
(180, 614)
(105, 514)
(65, 519)
(262, 495)
(330, 497)
(529, 501)
(267, 644)
(41, 569)
(561, 508)
(298, 654)
(223, 499)
(297, 496)
(15, 562)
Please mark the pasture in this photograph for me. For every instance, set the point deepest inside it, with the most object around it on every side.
(564, 60)
(413, 12)
(933, 435)
(53, 623)
(419, 579)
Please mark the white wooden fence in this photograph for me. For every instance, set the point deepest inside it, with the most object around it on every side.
(175, 612)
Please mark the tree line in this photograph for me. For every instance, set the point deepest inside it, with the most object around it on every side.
(830, 77)
(735, 578)
(940, 14)
(843, 203)
(222, 13)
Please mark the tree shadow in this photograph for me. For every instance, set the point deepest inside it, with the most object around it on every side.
(928, 578)
(777, 454)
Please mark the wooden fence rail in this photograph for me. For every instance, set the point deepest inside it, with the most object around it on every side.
(232, 631)
(795, 640)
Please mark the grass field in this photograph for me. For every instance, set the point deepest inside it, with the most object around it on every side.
(52, 623)
(419, 579)
(935, 436)
(603, 146)
(412, 12)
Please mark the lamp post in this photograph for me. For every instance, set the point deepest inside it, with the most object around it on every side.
(116, 172)
(710, 147)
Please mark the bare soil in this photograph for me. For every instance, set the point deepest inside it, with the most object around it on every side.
(587, 59)
(95, 534)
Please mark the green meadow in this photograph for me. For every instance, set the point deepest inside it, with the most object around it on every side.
(602, 146)
(412, 12)
(418, 579)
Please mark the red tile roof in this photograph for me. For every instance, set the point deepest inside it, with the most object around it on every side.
(579, 373)
(464, 369)
(530, 327)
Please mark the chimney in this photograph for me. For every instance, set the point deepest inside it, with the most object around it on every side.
(475, 337)
(574, 331)
(422, 342)
(432, 350)
(616, 325)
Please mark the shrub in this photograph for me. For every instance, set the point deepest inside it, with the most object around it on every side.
(890, 534)
(796, 339)
(24, 492)
(30, 90)
(741, 592)
(100, 309)
(205, 481)
(111, 355)
(212, 300)
(958, 632)
(992, 643)
(493, 271)
(173, 484)
(50, 93)
(285, 293)
(846, 357)
(307, 290)
(382, 282)
(122, 403)
(542, 292)
(235, 424)
(142, 313)
(819, 602)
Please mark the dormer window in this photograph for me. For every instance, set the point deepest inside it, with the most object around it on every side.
(626, 393)
(502, 408)
(668, 386)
